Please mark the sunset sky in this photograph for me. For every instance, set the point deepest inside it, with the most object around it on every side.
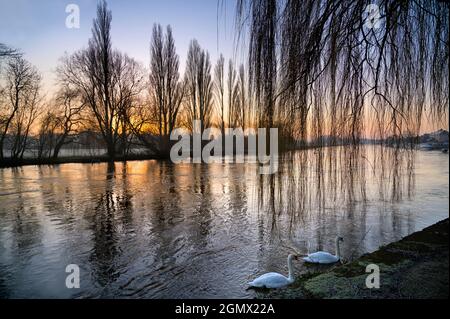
(38, 28)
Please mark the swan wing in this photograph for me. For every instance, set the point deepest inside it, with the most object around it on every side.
(321, 257)
(270, 280)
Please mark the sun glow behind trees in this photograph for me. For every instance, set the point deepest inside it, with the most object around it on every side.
(314, 70)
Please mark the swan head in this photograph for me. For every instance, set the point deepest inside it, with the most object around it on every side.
(293, 256)
(339, 239)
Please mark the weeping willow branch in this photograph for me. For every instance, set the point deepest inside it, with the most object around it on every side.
(345, 69)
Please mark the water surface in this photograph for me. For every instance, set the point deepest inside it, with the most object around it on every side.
(157, 230)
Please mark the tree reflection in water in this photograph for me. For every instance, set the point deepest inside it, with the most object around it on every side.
(156, 229)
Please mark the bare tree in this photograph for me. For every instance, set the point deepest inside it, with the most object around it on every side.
(99, 58)
(107, 81)
(47, 134)
(65, 118)
(199, 87)
(166, 90)
(21, 126)
(19, 106)
(219, 90)
(144, 124)
(130, 85)
(242, 100)
(232, 91)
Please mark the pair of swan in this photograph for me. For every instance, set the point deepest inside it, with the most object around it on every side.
(276, 280)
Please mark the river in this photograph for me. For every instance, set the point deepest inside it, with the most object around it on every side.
(153, 229)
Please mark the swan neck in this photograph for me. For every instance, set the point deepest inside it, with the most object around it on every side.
(291, 272)
(338, 250)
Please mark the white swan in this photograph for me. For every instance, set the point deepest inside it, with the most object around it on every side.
(274, 279)
(323, 257)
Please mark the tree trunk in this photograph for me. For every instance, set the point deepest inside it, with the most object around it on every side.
(111, 152)
(58, 147)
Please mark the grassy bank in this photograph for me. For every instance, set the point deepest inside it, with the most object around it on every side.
(415, 267)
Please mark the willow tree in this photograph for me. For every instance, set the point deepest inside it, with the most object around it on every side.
(241, 99)
(348, 68)
(262, 55)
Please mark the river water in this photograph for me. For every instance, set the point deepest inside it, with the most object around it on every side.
(152, 229)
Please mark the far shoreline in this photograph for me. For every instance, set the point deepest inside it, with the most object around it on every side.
(8, 163)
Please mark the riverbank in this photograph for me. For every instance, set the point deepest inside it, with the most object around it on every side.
(417, 266)
(74, 159)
